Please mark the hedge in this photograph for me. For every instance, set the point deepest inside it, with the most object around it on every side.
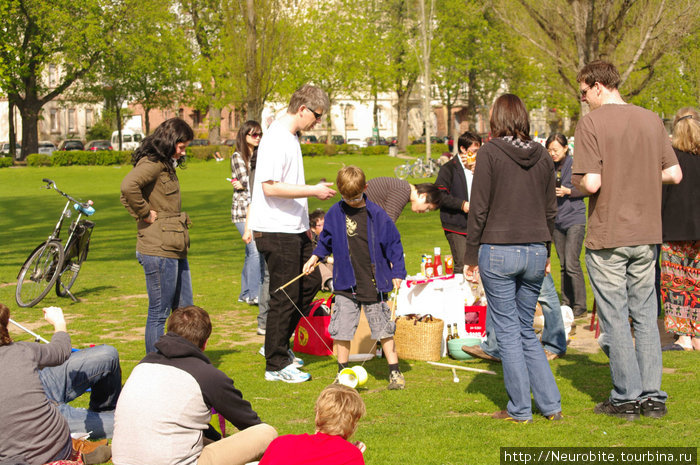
(314, 150)
(206, 152)
(38, 159)
(89, 157)
(418, 149)
(5, 162)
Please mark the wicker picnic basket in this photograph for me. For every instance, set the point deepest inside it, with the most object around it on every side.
(418, 337)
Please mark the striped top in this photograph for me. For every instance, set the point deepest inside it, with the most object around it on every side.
(391, 194)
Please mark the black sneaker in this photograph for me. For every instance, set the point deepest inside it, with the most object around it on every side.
(652, 408)
(628, 410)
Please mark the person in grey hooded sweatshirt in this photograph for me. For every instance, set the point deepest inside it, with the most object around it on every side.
(509, 232)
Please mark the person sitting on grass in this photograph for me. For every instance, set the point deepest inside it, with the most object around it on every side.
(38, 380)
(369, 263)
(338, 409)
(164, 411)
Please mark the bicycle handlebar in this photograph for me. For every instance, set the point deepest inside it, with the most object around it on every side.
(85, 207)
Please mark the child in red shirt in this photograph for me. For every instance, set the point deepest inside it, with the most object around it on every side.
(338, 409)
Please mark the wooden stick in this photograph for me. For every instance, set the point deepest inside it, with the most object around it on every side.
(298, 277)
(447, 365)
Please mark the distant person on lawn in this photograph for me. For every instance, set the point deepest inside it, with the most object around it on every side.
(368, 264)
(338, 410)
(163, 414)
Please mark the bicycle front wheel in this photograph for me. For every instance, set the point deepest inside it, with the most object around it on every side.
(78, 250)
(38, 274)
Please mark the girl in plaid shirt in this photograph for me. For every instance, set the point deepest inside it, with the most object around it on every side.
(247, 142)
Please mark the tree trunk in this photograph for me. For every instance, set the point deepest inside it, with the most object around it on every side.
(254, 104)
(11, 128)
(118, 110)
(375, 114)
(402, 120)
(147, 119)
(29, 108)
(214, 124)
(427, 109)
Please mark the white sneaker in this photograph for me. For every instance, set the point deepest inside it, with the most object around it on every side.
(260, 331)
(296, 361)
(288, 374)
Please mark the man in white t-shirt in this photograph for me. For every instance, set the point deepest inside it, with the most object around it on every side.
(279, 219)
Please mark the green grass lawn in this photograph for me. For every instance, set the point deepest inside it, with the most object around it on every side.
(433, 421)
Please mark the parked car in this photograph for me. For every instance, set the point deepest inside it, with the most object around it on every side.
(199, 142)
(5, 148)
(47, 147)
(101, 144)
(392, 140)
(376, 141)
(358, 142)
(71, 144)
(230, 142)
(433, 140)
(335, 139)
(308, 139)
(130, 139)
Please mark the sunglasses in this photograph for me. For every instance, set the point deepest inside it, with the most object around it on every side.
(317, 115)
(585, 91)
(353, 200)
(255, 135)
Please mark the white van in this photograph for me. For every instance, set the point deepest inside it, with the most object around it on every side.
(130, 139)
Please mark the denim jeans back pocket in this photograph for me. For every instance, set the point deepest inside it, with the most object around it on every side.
(501, 260)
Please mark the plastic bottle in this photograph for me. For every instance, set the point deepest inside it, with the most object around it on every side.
(437, 262)
(449, 265)
(423, 260)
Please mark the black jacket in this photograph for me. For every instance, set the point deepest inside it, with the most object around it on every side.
(513, 197)
(680, 204)
(453, 184)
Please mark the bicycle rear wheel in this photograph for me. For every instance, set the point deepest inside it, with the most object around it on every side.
(77, 254)
(39, 273)
(402, 171)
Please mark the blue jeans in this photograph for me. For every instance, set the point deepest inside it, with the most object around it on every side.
(253, 266)
(96, 368)
(622, 280)
(169, 286)
(512, 277)
(553, 334)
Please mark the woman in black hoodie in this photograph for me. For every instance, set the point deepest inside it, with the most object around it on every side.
(509, 231)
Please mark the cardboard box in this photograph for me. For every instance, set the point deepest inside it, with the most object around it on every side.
(362, 345)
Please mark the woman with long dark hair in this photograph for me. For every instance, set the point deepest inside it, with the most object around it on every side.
(151, 194)
(247, 142)
(511, 218)
(680, 251)
(569, 226)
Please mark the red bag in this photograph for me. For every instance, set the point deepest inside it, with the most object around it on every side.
(306, 335)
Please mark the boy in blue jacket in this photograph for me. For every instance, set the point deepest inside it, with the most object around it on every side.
(368, 264)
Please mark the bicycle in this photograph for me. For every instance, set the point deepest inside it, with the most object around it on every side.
(419, 168)
(53, 263)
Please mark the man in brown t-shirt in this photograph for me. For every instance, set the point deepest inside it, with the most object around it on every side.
(623, 154)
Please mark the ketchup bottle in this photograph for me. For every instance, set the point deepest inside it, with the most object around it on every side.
(437, 262)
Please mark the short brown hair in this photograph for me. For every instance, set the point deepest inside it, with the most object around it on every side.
(600, 71)
(312, 97)
(5, 338)
(686, 130)
(192, 323)
(351, 182)
(509, 118)
(338, 409)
